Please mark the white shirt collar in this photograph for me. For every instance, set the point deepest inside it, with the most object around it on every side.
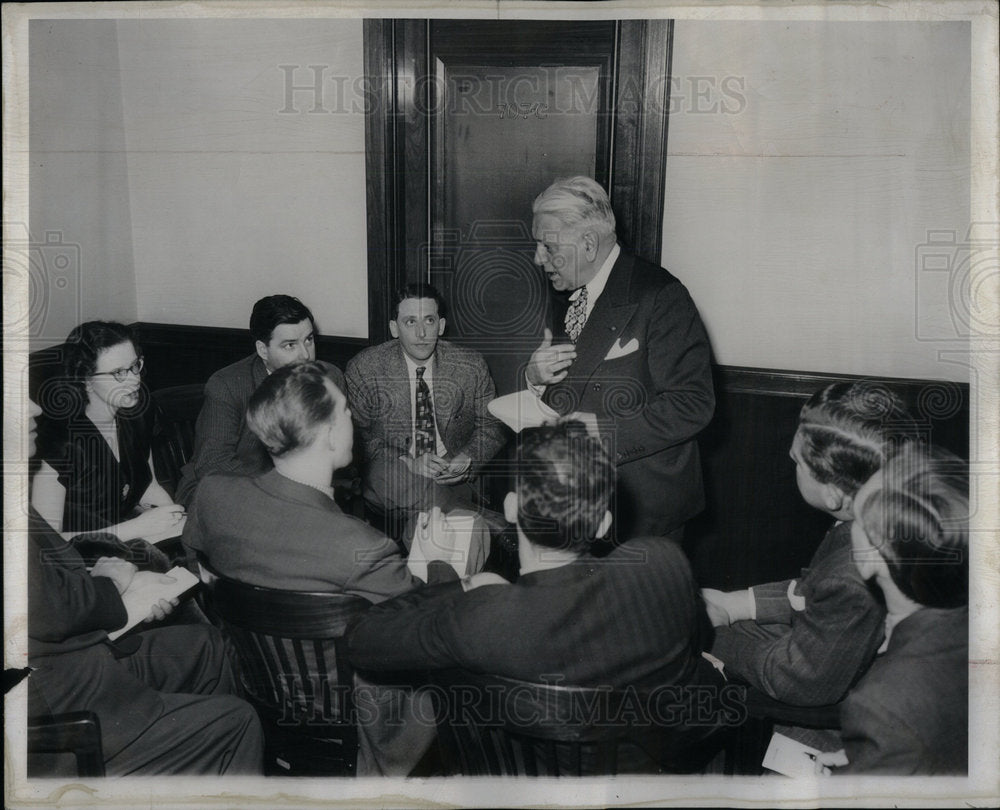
(596, 285)
(412, 366)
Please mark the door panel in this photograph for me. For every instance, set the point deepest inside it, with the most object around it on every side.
(502, 134)
(477, 119)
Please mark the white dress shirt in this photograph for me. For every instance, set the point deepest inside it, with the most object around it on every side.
(594, 289)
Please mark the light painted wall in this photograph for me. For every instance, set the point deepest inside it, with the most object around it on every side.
(79, 212)
(796, 218)
(194, 183)
(171, 153)
(232, 198)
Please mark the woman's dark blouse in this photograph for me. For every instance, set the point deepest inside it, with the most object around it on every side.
(100, 490)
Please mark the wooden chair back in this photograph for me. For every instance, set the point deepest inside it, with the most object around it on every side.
(295, 671)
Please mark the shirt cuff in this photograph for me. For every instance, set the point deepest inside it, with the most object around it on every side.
(537, 390)
(753, 604)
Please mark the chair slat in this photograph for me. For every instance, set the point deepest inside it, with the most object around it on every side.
(287, 643)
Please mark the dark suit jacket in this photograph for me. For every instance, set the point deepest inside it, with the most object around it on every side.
(271, 531)
(76, 668)
(223, 442)
(910, 712)
(651, 402)
(378, 386)
(633, 617)
(808, 657)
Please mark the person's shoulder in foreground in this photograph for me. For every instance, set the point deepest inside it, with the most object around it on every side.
(630, 617)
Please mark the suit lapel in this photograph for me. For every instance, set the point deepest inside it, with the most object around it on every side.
(398, 377)
(444, 396)
(606, 324)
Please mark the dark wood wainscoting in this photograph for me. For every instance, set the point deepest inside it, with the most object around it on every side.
(178, 355)
(755, 529)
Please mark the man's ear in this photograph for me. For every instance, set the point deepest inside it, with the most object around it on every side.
(835, 499)
(261, 347)
(510, 507)
(394, 328)
(590, 244)
(605, 524)
(440, 327)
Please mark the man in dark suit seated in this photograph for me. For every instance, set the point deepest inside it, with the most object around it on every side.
(284, 332)
(419, 404)
(632, 618)
(165, 697)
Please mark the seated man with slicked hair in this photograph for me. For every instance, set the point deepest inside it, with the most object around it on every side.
(282, 529)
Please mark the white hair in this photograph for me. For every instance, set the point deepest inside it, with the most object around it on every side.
(578, 202)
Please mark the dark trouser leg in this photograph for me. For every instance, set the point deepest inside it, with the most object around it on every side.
(183, 658)
(196, 734)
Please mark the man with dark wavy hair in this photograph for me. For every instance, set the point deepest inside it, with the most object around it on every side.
(284, 332)
(631, 618)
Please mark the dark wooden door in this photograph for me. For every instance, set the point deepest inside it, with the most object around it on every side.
(477, 117)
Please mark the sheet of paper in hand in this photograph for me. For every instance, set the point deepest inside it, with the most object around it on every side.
(139, 599)
(790, 757)
(521, 410)
(448, 540)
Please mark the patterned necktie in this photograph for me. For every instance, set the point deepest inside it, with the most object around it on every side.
(423, 422)
(576, 315)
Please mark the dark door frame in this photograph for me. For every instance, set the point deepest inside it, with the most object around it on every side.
(396, 136)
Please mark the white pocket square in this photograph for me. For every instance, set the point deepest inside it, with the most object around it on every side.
(617, 350)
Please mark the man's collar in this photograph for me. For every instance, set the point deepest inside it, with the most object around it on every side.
(596, 285)
(412, 365)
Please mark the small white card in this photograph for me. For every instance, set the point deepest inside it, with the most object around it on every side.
(140, 600)
(790, 757)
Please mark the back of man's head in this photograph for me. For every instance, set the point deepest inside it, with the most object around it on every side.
(291, 406)
(918, 519)
(578, 202)
(274, 310)
(849, 429)
(565, 480)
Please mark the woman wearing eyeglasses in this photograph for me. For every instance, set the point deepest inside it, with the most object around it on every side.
(97, 473)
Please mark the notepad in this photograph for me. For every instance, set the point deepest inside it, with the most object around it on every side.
(139, 600)
(449, 541)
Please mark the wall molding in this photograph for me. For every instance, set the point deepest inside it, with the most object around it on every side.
(184, 354)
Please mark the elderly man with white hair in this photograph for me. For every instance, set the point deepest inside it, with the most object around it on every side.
(631, 349)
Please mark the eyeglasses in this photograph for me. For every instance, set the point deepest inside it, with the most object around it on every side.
(120, 374)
